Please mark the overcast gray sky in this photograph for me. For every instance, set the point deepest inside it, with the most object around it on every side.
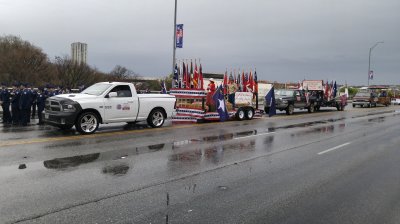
(286, 40)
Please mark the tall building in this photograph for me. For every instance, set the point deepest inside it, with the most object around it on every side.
(79, 52)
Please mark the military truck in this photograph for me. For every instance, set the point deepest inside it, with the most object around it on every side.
(289, 99)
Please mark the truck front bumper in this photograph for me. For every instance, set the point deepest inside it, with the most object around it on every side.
(361, 103)
(60, 119)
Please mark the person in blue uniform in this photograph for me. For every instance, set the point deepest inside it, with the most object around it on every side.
(40, 101)
(5, 104)
(34, 100)
(25, 105)
(15, 95)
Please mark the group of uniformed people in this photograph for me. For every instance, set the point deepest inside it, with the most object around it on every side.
(19, 103)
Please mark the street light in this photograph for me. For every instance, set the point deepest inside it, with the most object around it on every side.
(369, 59)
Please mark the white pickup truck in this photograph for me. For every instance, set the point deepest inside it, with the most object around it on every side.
(107, 102)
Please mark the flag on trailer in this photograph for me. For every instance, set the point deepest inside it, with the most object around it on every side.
(371, 75)
(163, 87)
(201, 80)
(255, 82)
(243, 82)
(179, 36)
(270, 100)
(191, 75)
(251, 82)
(219, 101)
(187, 77)
(196, 77)
(183, 75)
(335, 89)
(176, 77)
(225, 83)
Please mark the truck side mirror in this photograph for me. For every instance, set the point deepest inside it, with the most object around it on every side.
(112, 94)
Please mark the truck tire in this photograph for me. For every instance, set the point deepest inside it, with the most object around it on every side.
(240, 114)
(249, 114)
(290, 109)
(156, 118)
(354, 105)
(311, 108)
(87, 123)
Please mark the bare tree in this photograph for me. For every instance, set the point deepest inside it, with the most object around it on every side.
(121, 73)
(71, 74)
(21, 60)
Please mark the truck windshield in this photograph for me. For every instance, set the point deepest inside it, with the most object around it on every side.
(284, 93)
(364, 94)
(96, 89)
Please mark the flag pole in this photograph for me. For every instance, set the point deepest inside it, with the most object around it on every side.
(174, 44)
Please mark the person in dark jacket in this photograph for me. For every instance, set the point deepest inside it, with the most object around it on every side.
(25, 105)
(5, 104)
(40, 101)
(34, 100)
(15, 95)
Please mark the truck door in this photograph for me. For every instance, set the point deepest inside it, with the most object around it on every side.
(299, 99)
(121, 104)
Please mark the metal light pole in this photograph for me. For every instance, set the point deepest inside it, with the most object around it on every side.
(369, 58)
(174, 45)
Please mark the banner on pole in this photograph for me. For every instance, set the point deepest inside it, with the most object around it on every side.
(179, 36)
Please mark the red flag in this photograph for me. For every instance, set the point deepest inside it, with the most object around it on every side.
(225, 82)
(251, 84)
(244, 83)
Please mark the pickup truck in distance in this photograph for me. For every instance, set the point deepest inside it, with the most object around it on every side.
(289, 99)
(107, 102)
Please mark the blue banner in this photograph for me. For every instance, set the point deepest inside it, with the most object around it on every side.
(179, 36)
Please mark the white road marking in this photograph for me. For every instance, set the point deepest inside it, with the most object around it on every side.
(268, 133)
(337, 147)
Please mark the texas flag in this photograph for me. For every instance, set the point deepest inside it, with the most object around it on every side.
(371, 75)
(219, 100)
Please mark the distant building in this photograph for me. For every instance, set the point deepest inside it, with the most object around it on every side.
(79, 52)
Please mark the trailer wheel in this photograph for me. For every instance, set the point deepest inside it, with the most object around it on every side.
(240, 114)
(311, 108)
(249, 114)
(290, 109)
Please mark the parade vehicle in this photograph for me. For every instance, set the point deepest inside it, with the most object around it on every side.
(310, 95)
(378, 96)
(107, 102)
(326, 95)
(191, 106)
(289, 99)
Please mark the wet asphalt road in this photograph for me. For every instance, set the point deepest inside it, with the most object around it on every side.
(327, 167)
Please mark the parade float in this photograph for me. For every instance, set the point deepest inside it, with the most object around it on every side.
(194, 100)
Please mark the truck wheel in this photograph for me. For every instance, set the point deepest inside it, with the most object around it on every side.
(249, 114)
(369, 105)
(311, 108)
(354, 105)
(87, 123)
(317, 108)
(290, 109)
(240, 115)
(156, 118)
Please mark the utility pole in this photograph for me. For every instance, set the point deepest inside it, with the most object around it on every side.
(174, 44)
(369, 58)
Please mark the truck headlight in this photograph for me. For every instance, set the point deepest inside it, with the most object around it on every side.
(68, 108)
